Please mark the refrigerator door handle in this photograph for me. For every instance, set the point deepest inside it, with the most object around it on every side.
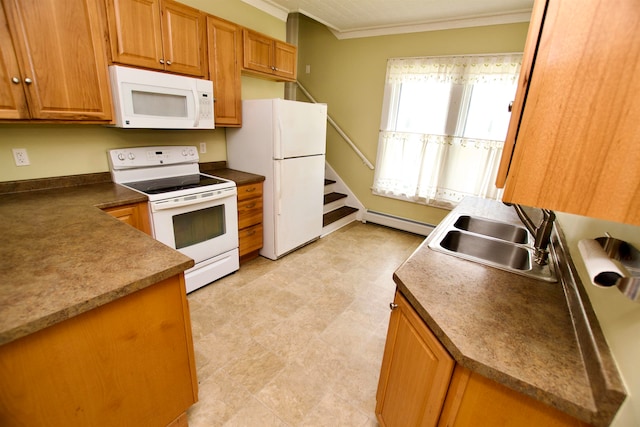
(277, 173)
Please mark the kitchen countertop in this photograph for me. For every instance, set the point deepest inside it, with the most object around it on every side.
(61, 255)
(541, 339)
(221, 171)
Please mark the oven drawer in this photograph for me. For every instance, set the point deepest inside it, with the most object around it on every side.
(249, 191)
(250, 239)
(249, 212)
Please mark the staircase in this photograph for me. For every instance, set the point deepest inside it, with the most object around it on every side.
(336, 213)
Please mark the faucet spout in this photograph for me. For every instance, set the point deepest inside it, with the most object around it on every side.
(540, 232)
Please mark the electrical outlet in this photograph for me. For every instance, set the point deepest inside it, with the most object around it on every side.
(20, 157)
(203, 147)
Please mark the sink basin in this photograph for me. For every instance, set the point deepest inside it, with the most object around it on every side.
(499, 230)
(493, 243)
(494, 251)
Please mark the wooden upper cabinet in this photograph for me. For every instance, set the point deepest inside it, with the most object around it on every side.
(575, 127)
(267, 57)
(162, 35)
(13, 104)
(53, 61)
(224, 44)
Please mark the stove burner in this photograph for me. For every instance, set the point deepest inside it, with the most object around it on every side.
(175, 183)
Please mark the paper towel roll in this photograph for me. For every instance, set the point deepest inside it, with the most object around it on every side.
(602, 270)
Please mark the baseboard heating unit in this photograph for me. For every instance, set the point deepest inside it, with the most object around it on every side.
(399, 223)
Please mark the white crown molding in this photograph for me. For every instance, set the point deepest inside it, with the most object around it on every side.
(272, 9)
(478, 21)
(281, 13)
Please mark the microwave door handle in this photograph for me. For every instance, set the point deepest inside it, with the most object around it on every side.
(196, 122)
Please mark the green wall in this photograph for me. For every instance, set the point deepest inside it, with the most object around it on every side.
(58, 150)
(349, 76)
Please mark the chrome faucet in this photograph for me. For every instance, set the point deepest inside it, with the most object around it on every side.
(541, 232)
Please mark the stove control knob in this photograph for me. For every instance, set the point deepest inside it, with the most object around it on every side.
(184, 152)
(121, 156)
(192, 152)
(132, 156)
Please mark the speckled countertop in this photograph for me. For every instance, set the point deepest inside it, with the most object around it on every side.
(538, 338)
(239, 177)
(61, 255)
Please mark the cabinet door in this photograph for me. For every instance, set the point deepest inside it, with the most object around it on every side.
(258, 51)
(474, 400)
(285, 60)
(135, 32)
(136, 215)
(60, 49)
(13, 104)
(577, 147)
(415, 374)
(129, 362)
(184, 37)
(224, 43)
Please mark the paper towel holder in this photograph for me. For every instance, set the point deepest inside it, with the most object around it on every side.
(629, 257)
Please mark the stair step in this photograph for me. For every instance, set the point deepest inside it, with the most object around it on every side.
(328, 181)
(332, 197)
(337, 214)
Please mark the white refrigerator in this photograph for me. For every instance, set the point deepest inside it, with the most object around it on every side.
(285, 142)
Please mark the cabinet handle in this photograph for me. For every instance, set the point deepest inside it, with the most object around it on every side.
(250, 190)
(162, 61)
(251, 233)
(251, 206)
(168, 62)
(393, 306)
(510, 107)
(28, 81)
(15, 80)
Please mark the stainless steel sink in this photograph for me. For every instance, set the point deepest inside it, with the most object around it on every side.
(491, 250)
(493, 243)
(499, 230)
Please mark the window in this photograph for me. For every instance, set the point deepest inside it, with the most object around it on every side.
(443, 126)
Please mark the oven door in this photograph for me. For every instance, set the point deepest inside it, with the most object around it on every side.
(201, 225)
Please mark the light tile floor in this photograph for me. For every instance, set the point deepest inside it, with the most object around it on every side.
(298, 341)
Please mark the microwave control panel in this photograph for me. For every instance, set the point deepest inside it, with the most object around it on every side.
(206, 105)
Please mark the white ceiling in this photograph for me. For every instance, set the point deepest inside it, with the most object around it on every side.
(362, 18)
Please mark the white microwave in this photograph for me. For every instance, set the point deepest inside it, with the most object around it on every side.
(150, 99)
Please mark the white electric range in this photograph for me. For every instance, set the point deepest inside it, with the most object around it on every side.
(191, 212)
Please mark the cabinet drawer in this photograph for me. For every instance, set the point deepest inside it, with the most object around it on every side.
(250, 239)
(248, 191)
(249, 212)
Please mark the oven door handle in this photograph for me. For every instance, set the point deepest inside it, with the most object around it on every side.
(172, 204)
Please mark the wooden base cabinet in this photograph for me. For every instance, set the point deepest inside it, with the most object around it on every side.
(474, 400)
(136, 215)
(250, 220)
(127, 363)
(416, 370)
(421, 385)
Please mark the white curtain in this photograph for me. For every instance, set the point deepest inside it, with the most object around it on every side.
(434, 169)
(440, 170)
(455, 69)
